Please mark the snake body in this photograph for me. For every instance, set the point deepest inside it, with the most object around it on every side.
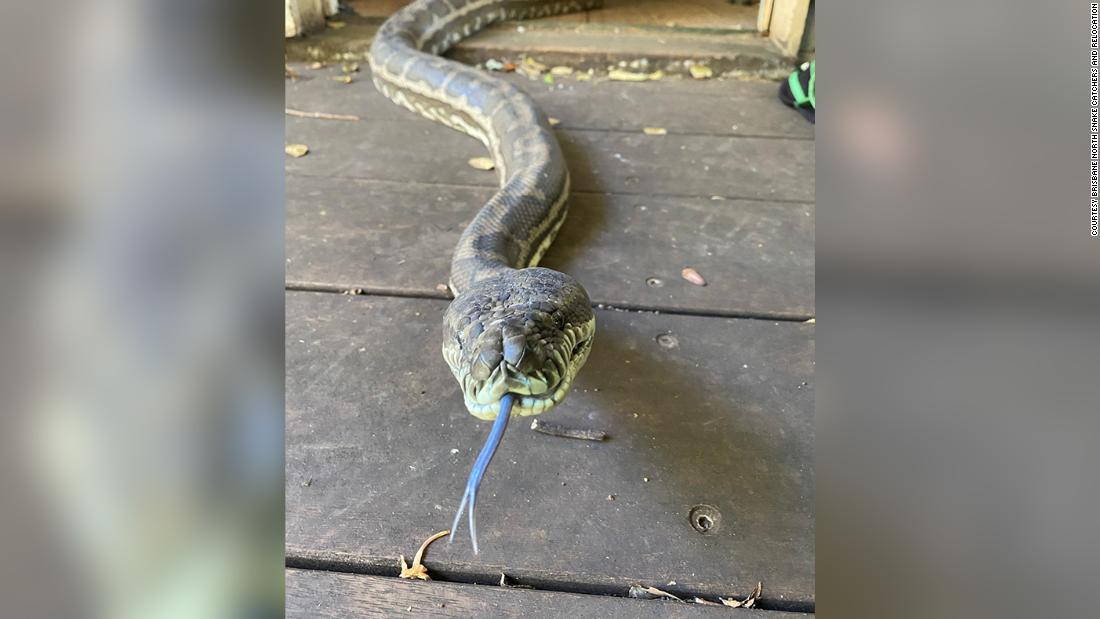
(513, 328)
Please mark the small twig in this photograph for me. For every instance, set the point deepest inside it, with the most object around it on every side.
(554, 429)
(321, 115)
(418, 570)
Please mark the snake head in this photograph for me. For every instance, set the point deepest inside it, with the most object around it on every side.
(525, 332)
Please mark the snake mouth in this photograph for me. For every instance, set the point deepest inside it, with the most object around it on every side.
(534, 392)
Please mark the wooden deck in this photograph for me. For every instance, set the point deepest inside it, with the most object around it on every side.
(706, 392)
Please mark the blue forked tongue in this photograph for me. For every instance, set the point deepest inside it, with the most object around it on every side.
(482, 463)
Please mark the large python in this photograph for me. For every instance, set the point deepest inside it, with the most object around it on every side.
(516, 334)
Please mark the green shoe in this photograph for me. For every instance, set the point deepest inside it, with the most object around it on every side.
(798, 90)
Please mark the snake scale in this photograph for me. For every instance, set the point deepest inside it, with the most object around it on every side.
(516, 334)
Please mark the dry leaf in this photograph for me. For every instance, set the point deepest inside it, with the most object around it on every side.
(481, 163)
(630, 76)
(640, 592)
(296, 150)
(655, 131)
(693, 276)
(336, 24)
(418, 570)
(561, 70)
(509, 67)
(554, 121)
(706, 602)
(748, 602)
(700, 71)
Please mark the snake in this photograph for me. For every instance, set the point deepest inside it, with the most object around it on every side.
(516, 334)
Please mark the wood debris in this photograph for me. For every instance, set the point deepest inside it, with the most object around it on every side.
(561, 70)
(481, 163)
(532, 68)
(693, 276)
(747, 602)
(655, 131)
(554, 121)
(417, 570)
(621, 75)
(812, 321)
(700, 71)
(534, 65)
(336, 25)
(296, 150)
(554, 429)
(344, 79)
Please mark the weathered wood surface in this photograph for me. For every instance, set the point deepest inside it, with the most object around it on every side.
(683, 106)
(706, 14)
(599, 161)
(378, 204)
(317, 594)
(379, 445)
(628, 251)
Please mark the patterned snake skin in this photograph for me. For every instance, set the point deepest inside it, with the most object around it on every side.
(513, 327)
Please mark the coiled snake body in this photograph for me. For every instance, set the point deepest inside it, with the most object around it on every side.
(516, 334)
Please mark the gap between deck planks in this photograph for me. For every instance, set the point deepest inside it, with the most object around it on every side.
(724, 417)
(627, 251)
(353, 596)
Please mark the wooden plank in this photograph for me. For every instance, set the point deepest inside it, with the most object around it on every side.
(699, 411)
(311, 594)
(764, 16)
(633, 163)
(708, 107)
(304, 16)
(628, 251)
(788, 24)
(706, 14)
(381, 9)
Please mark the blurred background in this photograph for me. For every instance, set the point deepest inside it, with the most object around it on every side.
(141, 311)
(957, 346)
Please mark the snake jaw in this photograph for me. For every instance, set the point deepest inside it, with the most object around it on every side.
(526, 332)
(536, 391)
